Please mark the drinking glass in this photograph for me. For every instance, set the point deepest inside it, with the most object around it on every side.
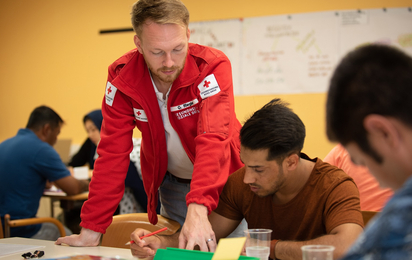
(258, 243)
(317, 252)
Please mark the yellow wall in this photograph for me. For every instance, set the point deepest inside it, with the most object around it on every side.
(51, 53)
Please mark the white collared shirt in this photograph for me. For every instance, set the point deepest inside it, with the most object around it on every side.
(178, 162)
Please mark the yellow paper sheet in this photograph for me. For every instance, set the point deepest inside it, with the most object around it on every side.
(229, 248)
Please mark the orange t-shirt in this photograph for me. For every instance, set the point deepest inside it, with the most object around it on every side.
(372, 196)
(329, 198)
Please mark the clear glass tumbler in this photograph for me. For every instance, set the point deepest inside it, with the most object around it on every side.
(317, 252)
(258, 243)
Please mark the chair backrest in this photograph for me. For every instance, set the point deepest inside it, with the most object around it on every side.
(368, 215)
(62, 147)
(1, 229)
(118, 233)
(8, 223)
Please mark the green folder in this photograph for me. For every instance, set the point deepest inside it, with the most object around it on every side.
(183, 254)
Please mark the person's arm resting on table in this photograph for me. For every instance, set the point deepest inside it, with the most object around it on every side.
(340, 237)
(222, 226)
(71, 185)
(87, 237)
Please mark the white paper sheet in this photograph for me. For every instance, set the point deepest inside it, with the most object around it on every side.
(81, 173)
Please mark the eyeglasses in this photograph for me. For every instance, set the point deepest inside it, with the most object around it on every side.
(36, 254)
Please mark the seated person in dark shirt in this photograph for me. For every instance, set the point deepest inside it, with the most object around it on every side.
(302, 200)
(88, 154)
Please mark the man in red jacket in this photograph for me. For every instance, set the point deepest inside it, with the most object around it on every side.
(180, 96)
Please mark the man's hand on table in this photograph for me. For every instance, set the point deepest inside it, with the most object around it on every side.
(197, 230)
(87, 237)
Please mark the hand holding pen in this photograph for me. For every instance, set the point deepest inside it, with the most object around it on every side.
(148, 235)
(145, 248)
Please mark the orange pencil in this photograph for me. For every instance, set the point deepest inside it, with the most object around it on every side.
(148, 235)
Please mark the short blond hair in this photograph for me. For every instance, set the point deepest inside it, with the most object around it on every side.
(159, 11)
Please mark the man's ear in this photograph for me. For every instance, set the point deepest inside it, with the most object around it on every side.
(43, 132)
(46, 129)
(291, 162)
(188, 34)
(381, 131)
(138, 43)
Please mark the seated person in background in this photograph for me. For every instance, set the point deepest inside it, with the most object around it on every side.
(87, 155)
(372, 197)
(368, 111)
(303, 201)
(27, 162)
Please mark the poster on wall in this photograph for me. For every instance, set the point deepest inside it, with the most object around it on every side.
(288, 54)
(292, 54)
(223, 35)
(391, 26)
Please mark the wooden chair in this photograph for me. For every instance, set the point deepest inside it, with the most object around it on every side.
(118, 233)
(30, 221)
(368, 215)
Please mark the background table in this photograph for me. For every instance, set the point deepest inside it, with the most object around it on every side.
(54, 251)
(61, 196)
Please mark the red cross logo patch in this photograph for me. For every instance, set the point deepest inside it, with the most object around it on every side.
(208, 87)
(140, 115)
(110, 93)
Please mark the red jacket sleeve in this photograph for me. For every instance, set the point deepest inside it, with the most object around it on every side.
(217, 143)
(110, 170)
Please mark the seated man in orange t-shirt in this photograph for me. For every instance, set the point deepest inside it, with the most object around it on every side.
(302, 200)
(372, 196)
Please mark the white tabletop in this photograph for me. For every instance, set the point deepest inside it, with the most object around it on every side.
(54, 251)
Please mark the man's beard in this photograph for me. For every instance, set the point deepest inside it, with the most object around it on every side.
(274, 188)
(166, 78)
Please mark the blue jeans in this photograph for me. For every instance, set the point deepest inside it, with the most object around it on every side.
(173, 199)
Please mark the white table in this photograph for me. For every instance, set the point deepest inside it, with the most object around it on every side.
(53, 251)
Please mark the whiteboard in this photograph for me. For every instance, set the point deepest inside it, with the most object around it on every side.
(290, 54)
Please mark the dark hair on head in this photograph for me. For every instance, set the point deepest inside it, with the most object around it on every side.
(96, 117)
(41, 116)
(374, 79)
(275, 127)
(158, 11)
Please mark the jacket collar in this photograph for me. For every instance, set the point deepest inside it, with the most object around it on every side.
(133, 80)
